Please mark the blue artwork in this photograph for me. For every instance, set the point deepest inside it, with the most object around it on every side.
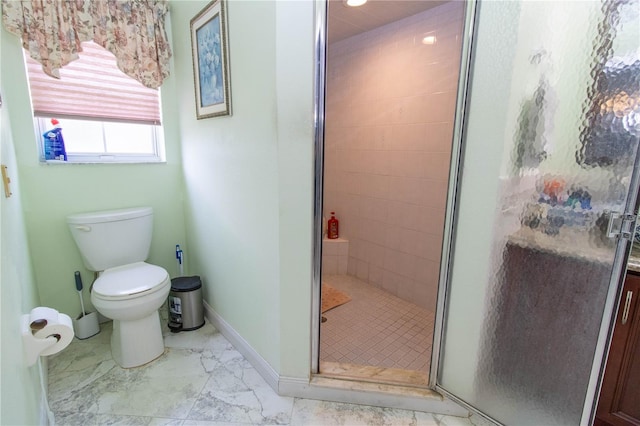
(210, 63)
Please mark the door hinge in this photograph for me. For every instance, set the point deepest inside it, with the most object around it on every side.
(621, 225)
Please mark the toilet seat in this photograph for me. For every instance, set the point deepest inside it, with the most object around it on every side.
(130, 281)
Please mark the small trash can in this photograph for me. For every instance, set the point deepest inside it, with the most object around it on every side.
(186, 311)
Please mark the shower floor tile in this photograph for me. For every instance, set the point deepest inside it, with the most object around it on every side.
(375, 329)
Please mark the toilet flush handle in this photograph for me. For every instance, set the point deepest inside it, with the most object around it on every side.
(83, 228)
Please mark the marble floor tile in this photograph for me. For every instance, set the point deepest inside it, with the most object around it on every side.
(308, 412)
(200, 380)
(167, 387)
(159, 421)
(312, 412)
(101, 419)
(194, 339)
(111, 419)
(240, 394)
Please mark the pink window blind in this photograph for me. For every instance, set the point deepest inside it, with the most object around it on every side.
(92, 87)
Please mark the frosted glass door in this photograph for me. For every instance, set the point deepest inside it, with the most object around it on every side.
(549, 148)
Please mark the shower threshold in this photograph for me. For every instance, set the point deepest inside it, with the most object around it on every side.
(374, 374)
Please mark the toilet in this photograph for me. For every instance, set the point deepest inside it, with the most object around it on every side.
(115, 244)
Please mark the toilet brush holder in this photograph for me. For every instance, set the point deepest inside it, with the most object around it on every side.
(86, 325)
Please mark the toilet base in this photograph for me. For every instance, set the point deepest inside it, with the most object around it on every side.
(137, 342)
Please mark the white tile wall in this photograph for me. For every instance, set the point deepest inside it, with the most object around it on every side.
(389, 118)
(335, 254)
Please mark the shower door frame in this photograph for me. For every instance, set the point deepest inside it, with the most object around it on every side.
(321, 45)
(455, 176)
(319, 88)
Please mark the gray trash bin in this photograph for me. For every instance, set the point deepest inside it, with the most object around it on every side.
(185, 304)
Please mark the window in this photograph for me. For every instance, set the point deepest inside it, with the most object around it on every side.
(90, 141)
(105, 115)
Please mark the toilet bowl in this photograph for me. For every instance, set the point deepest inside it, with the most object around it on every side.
(116, 243)
(131, 295)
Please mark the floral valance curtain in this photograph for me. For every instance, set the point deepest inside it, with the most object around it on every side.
(133, 30)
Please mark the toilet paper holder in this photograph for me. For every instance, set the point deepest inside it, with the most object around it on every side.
(45, 336)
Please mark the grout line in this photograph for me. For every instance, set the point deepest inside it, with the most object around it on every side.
(387, 329)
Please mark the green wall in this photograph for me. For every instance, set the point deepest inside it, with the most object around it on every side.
(236, 192)
(51, 192)
(249, 177)
(20, 394)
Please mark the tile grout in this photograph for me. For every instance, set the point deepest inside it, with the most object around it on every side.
(400, 326)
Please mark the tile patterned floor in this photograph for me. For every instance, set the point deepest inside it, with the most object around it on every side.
(376, 328)
(199, 380)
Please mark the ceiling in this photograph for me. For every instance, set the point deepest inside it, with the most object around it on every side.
(345, 21)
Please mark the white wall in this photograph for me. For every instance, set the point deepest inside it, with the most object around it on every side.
(295, 106)
(389, 120)
(248, 195)
(38, 255)
(20, 395)
(248, 177)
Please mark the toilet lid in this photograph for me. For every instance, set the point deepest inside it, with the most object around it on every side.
(130, 279)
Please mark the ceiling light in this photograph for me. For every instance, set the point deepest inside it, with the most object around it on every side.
(429, 40)
(354, 3)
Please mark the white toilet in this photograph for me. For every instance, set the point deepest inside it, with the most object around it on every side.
(115, 244)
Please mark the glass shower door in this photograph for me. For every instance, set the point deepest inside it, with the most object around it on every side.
(550, 154)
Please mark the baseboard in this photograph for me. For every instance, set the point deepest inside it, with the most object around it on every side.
(46, 416)
(337, 390)
(255, 359)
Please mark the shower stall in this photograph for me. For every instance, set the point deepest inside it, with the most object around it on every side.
(389, 111)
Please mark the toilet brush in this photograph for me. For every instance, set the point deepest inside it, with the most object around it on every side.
(180, 258)
(79, 288)
(86, 325)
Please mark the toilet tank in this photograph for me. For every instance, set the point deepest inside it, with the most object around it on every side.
(112, 238)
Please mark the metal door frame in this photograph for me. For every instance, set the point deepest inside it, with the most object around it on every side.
(455, 176)
(320, 61)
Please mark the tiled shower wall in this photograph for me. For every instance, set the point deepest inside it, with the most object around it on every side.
(389, 118)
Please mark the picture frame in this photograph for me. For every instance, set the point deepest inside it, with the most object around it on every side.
(210, 52)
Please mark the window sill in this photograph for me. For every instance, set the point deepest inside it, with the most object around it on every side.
(85, 162)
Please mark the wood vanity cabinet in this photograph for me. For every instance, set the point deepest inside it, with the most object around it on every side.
(619, 402)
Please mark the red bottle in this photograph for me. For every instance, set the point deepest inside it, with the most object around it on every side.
(332, 225)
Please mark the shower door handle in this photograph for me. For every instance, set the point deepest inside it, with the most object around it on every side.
(627, 306)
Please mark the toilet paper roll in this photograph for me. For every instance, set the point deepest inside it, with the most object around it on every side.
(60, 327)
(40, 317)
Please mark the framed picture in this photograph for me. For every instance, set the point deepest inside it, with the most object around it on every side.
(210, 50)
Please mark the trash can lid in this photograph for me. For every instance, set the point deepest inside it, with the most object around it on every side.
(186, 283)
